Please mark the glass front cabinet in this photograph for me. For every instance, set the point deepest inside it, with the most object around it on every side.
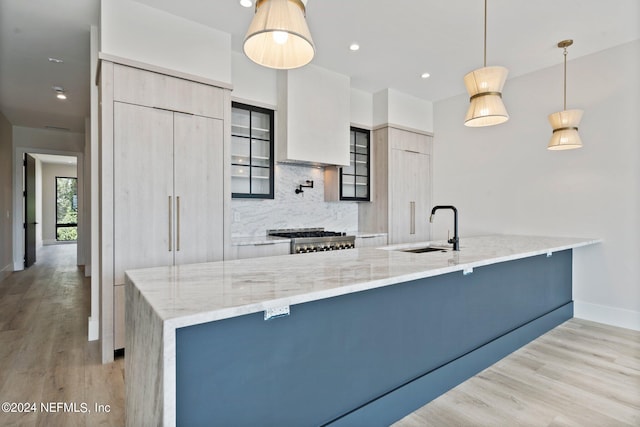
(251, 151)
(354, 179)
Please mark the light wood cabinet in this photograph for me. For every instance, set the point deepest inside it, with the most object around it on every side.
(167, 192)
(167, 188)
(260, 250)
(142, 187)
(401, 186)
(370, 241)
(118, 316)
(164, 191)
(142, 87)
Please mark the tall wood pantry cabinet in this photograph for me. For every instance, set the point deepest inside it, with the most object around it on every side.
(400, 186)
(163, 181)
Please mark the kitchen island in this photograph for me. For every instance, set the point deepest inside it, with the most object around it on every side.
(353, 337)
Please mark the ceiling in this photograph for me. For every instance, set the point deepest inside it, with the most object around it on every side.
(56, 159)
(399, 41)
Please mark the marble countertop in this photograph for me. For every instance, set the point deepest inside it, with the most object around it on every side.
(197, 293)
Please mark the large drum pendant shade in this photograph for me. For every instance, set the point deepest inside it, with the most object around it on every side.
(278, 36)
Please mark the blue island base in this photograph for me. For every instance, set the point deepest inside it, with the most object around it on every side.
(366, 358)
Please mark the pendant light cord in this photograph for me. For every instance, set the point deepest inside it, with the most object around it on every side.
(565, 78)
(485, 33)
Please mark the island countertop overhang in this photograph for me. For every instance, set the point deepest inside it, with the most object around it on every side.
(198, 293)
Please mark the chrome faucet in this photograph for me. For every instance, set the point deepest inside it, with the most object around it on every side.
(456, 238)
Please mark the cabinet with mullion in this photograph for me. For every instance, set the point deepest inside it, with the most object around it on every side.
(355, 178)
(251, 152)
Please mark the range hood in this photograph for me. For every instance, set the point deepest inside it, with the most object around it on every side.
(313, 118)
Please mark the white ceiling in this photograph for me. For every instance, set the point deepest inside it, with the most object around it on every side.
(399, 40)
(56, 159)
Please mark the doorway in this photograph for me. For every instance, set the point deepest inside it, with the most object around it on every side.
(50, 202)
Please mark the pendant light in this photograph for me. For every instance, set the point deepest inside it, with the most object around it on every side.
(278, 36)
(565, 123)
(485, 90)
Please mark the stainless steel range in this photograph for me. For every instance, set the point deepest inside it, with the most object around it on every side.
(314, 239)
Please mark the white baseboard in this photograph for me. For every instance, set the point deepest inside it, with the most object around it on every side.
(94, 329)
(18, 266)
(87, 270)
(620, 317)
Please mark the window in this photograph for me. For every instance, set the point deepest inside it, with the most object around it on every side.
(251, 152)
(66, 209)
(354, 179)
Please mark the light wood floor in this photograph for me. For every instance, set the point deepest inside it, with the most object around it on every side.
(44, 353)
(580, 374)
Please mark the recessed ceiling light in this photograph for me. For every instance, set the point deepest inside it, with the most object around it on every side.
(425, 75)
(55, 60)
(60, 92)
(354, 46)
(246, 3)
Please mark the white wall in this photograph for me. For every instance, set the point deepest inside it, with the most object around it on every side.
(48, 181)
(6, 188)
(93, 264)
(46, 140)
(401, 109)
(253, 83)
(361, 108)
(141, 33)
(504, 180)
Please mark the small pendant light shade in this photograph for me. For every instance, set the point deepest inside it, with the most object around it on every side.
(485, 90)
(278, 36)
(565, 130)
(565, 123)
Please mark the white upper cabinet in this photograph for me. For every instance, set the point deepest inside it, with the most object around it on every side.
(313, 119)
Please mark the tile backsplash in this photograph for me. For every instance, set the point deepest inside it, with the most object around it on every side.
(252, 217)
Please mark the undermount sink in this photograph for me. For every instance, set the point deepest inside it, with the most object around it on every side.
(426, 249)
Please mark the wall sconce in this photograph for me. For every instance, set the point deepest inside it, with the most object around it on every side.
(309, 184)
(565, 123)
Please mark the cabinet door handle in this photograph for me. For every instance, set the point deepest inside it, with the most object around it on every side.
(170, 223)
(412, 206)
(177, 223)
